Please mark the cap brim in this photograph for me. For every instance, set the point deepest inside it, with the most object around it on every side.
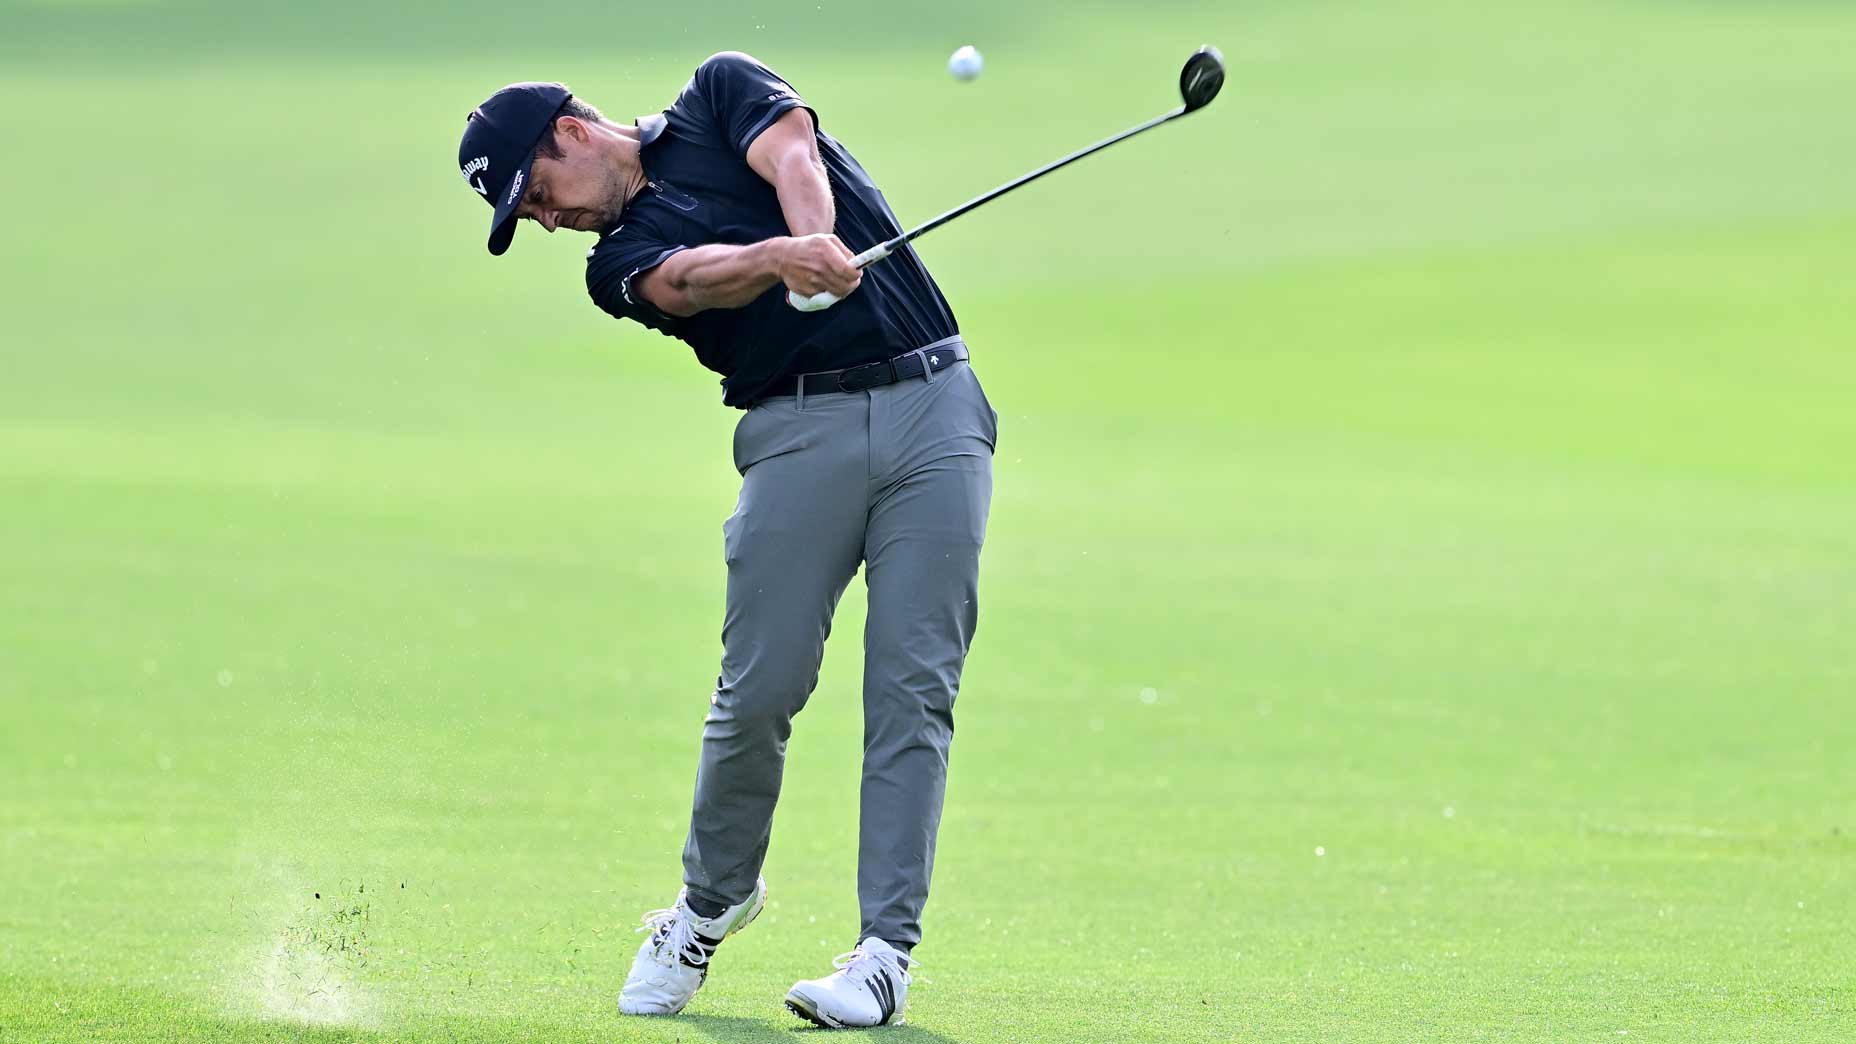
(503, 224)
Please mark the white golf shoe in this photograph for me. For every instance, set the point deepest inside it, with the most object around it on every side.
(673, 961)
(869, 988)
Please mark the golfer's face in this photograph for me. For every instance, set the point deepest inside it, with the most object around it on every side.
(579, 191)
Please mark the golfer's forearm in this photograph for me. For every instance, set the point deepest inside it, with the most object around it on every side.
(805, 193)
(725, 276)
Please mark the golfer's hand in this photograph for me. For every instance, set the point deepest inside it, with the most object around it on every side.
(818, 264)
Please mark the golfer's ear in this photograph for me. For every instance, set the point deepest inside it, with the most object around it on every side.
(572, 127)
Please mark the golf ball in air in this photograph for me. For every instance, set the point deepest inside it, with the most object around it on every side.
(965, 63)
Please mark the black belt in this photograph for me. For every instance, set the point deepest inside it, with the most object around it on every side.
(931, 358)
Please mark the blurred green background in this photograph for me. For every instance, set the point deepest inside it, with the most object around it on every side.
(1418, 605)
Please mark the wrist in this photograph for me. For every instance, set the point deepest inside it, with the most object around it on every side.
(779, 250)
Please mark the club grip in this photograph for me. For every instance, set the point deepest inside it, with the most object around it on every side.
(875, 253)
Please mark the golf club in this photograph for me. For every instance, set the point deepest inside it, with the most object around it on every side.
(1199, 82)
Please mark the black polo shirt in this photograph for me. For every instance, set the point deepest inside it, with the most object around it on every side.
(701, 190)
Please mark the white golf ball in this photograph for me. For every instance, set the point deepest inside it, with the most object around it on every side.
(965, 63)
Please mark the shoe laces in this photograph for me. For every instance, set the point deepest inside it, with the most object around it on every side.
(674, 932)
(861, 964)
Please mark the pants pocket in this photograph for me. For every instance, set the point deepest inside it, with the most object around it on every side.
(740, 439)
(989, 417)
(769, 430)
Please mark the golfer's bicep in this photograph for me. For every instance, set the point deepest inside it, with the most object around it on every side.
(632, 284)
(790, 139)
(662, 287)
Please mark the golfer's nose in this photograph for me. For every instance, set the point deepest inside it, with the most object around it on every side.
(550, 219)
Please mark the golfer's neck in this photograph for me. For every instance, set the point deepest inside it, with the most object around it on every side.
(621, 149)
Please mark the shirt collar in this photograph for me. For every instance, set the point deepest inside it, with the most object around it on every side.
(650, 127)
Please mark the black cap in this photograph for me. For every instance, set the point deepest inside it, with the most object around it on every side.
(499, 147)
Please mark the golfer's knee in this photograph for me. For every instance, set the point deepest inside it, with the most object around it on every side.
(761, 703)
(906, 723)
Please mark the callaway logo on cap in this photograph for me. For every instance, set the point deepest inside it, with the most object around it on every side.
(499, 147)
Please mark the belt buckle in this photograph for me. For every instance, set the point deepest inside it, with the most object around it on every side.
(869, 369)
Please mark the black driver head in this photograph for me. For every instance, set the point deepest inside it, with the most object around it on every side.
(1200, 79)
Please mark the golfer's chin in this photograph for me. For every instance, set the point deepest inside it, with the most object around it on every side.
(604, 221)
(588, 222)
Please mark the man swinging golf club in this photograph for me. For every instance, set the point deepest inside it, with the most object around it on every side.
(866, 440)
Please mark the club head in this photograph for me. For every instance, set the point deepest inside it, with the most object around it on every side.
(1200, 80)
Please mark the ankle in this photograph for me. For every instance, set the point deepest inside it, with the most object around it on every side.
(899, 949)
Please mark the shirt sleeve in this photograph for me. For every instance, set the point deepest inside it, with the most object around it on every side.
(612, 269)
(746, 97)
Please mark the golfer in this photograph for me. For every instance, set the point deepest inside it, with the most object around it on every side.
(865, 438)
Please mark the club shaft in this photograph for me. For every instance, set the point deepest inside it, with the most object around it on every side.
(924, 228)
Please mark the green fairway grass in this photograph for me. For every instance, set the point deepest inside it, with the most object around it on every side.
(1419, 603)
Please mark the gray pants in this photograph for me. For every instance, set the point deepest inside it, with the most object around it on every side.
(899, 478)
